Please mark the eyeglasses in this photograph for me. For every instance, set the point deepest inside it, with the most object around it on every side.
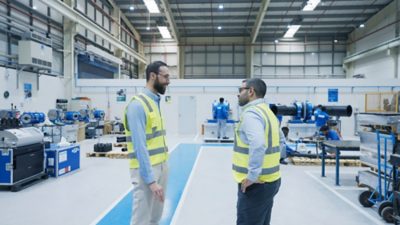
(242, 88)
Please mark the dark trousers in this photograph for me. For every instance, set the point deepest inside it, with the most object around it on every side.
(254, 207)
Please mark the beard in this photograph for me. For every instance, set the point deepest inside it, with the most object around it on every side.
(159, 87)
(243, 100)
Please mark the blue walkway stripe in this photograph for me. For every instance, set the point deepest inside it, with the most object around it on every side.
(181, 163)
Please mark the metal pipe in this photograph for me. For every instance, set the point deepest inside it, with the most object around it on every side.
(284, 110)
(379, 48)
(338, 110)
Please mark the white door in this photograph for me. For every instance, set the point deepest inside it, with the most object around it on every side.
(187, 115)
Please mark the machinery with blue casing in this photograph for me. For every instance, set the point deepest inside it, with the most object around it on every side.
(303, 117)
(32, 118)
(64, 125)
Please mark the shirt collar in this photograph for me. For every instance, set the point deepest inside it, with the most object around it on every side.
(155, 97)
(254, 102)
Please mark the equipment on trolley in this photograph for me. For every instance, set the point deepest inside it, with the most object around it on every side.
(379, 141)
(21, 157)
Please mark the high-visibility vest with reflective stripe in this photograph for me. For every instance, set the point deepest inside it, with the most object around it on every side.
(155, 133)
(270, 168)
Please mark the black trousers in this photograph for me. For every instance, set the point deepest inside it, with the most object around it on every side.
(254, 207)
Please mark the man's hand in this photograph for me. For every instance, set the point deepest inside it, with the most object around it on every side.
(157, 191)
(245, 184)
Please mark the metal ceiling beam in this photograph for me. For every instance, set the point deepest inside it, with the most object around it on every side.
(71, 14)
(259, 20)
(134, 17)
(170, 19)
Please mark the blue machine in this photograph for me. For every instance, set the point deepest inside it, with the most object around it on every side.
(71, 116)
(98, 114)
(59, 117)
(31, 118)
(62, 160)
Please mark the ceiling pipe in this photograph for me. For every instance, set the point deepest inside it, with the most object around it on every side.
(372, 51)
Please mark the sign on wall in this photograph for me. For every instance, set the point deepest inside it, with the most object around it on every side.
(333, 95)
(28, 90)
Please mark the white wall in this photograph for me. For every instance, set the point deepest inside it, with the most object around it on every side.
(50, 88)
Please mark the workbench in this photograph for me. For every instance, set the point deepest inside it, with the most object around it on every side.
(337, 146)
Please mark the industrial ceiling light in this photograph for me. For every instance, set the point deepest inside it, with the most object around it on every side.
(336, 41)
(131, 8)
(164, 32)
(276, 41)
(221, 6)
(219, 27)
(151, 6)
(148, 22)
(292, 29)
(34, 7)
(311, 5)
(362, 25)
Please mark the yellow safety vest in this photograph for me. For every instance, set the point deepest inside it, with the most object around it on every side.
(270, 168)
(155, 133)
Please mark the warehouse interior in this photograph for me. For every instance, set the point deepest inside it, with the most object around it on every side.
(69, 69)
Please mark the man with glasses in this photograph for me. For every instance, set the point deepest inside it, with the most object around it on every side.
(147, 148)
(256, 155)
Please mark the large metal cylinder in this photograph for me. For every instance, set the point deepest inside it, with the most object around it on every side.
(284, 110)
(346, 110)
(32, 118)
(98, 114)
(71, 116)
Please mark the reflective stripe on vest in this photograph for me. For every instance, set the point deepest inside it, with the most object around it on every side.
(270, 168)
(155, 133)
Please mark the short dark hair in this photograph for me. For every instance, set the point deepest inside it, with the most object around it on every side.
(221, 99)
(154, 67)
(324, 128)
(259, 86)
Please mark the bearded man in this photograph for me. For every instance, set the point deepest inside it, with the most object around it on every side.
(147, 148)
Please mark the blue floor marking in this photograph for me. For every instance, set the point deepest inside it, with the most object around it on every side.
(181, 162)
(217, 145)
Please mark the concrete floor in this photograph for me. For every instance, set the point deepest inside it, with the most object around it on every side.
(85, 196)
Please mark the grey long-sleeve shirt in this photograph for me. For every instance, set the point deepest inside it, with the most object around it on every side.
(252, 133)
(137, 124)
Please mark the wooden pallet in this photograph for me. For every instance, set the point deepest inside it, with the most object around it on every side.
(112, 154)
(313, 162)
(122, 144)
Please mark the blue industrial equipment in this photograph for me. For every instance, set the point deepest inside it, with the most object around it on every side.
(71, 116)
(84, 115)
(59, 117)
(31, 118)
(98, 114)
(308, 111)
(297, 118)
(303, 112)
